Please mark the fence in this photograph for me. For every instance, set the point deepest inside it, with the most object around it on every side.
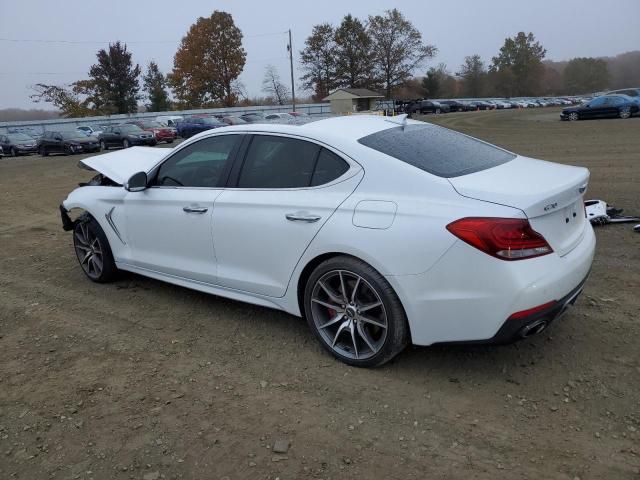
(40, 126)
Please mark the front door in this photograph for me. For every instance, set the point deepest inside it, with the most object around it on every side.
(285, 191)
(169, 224)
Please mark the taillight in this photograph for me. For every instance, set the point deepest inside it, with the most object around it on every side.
(503, 238)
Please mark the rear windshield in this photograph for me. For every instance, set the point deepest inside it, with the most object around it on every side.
(437, 150)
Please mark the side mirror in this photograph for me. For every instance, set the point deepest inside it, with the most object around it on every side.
(137, 182)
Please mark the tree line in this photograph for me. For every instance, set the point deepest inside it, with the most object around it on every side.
(381, 53)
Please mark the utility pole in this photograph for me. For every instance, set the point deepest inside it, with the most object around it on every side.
(293, 88)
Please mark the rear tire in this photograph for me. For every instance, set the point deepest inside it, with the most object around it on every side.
(625, 112)
(354, 312)
(103, 146)
(44, 152)
(93, 251)
(125, 143)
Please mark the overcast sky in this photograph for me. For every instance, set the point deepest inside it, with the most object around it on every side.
(153, 29)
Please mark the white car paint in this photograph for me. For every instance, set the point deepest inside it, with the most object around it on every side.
(383, 211)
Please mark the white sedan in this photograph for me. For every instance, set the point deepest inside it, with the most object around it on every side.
(379, 231)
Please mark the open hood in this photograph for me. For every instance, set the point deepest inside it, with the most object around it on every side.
(120, 165)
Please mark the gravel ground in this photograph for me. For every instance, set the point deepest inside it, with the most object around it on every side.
(143, 380)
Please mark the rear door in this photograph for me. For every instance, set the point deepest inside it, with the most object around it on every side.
(280, 196)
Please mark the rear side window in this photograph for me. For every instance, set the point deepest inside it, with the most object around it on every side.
(278, 162)
(329, 167)
(437, 150)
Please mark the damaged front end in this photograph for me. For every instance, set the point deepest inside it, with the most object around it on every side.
(98, 180)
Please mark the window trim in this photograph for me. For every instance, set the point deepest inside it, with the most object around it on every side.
(233, 180)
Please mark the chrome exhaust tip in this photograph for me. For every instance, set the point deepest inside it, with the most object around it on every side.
(533, 329)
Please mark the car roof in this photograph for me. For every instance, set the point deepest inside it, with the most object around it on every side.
(341, 130)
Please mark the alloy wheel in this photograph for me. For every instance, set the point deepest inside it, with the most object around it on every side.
(573, 116)
(125, 144)
(625, 113)
(349, 314)
(88, 250)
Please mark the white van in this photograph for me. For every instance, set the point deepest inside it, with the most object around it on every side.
(169, 120)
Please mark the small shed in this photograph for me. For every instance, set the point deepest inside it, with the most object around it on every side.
(351, 100)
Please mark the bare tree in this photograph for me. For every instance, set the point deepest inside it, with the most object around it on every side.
(273, 86)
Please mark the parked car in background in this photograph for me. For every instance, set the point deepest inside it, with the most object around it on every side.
(67, 142)
(91, 130)
(33, 132)
(233, 120)
(161, 132)
(606, 106)
(169, 120)
(15, 144)
(125, 136)
(252, 117)
(281, 117)
(429, 106)
(190, 126)
(481, 105)
(455, 105)
(298, 114)
(633, 93)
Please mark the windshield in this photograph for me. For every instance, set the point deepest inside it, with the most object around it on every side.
(73, 135)
(437, 150)
(20, 137)
(130, 128)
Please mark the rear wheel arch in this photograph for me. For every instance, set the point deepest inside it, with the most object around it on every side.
(311, 266)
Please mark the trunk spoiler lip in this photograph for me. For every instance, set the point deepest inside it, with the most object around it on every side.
(531, 205)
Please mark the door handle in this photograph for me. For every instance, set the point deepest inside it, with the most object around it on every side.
(195, 209)
(302, 217)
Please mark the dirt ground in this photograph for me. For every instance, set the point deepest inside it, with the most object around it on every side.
(143, 380)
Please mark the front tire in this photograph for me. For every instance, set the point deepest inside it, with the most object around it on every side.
(125, 143)
(573, 116)
(13, 152)
(93, 251)
(354, 312)
(103, 146)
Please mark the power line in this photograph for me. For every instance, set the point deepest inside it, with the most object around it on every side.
(101, 42)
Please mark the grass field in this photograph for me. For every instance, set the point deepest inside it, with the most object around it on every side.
(143, 380)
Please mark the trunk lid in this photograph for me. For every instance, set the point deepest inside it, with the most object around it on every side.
(120, 165)
(550, 195)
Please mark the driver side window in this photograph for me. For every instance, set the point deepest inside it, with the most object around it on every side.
(200, 164)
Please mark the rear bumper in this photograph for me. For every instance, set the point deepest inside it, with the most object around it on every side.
(513, 329)
(467, 296)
